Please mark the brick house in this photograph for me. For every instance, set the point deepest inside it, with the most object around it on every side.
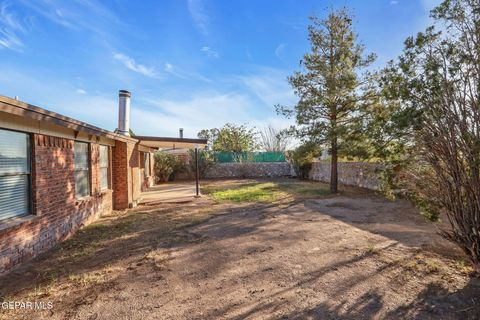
(58, 173)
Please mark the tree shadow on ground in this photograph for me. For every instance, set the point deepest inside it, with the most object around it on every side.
(128, 239)
(122, 238)
(434, 302)
(112, 239)
(398, 221)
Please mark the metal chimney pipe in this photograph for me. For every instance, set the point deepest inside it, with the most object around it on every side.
(124, 112)
(181, 133)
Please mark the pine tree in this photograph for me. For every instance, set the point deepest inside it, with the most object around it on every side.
(330, 88)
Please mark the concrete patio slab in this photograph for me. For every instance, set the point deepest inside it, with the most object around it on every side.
(171, 192)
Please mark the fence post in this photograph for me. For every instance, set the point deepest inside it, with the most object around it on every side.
(196, 174)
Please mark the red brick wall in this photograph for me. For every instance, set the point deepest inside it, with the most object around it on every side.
(56, 212)
(120, 176)
(126, 183)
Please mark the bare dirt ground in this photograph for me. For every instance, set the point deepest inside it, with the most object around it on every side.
(350, 256)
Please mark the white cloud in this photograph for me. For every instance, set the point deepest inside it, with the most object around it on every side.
(197, 111)
(279, 50)
(253, 103)
(77, 15)
(270, 86)
(209, 52)
(393, 2)
(131, 64)
(199, 15)
(184, 74)
(163, 113)
(81, 91)
(10, 27)
(51, 93)
(168, 67)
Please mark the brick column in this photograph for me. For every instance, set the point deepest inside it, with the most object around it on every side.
(120, 176)
(126, 181)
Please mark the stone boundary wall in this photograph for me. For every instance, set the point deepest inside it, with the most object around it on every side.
(360, 174)
(249, 170)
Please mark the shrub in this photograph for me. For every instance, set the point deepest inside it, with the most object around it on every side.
(167, 165)
(302, 157)
(205, 162)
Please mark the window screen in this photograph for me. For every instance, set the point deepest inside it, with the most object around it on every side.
(82, 172)
(103, 167)
(14, 174)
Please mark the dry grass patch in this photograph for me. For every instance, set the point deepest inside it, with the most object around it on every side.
(463, 267)
(421, 264)
(261, 191)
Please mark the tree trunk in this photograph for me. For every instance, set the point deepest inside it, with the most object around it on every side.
(334, 167)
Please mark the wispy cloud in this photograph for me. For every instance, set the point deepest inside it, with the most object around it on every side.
(251, 102)
(157, 114)
(394, 2)
(10, 27)
(76, 15)
(50, 92)
(210, 52)
(184, 74)
(131, 64)
(199, 16)
(81, 91)
(279, 50)
(168, 67)
(269, 86)
(192, 112)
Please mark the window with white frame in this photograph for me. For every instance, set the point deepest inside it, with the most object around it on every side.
(82, 169)
(14, 174)
(104, 167)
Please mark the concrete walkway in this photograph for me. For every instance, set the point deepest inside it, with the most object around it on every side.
(171, 192)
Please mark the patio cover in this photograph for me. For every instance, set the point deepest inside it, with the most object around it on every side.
(171, 143)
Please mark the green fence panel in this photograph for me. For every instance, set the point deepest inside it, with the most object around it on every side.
(226, 157)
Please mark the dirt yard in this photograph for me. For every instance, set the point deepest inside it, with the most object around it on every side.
(277, 249)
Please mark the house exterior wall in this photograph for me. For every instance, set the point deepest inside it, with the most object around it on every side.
(126, 175)
(57, 214)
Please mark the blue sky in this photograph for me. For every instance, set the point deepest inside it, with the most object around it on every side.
(188, 63)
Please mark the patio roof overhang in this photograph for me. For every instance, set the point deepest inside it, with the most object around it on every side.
(171, 143)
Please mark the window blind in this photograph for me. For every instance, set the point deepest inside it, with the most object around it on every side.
(104, 167)
(82, 171)
(14, 174)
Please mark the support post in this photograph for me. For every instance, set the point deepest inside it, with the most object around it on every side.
(196, 174)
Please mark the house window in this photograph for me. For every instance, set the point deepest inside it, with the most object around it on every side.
(14, 174)
(103, 167)
(146, 157)
(82, 170)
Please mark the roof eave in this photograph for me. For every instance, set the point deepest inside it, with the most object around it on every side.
(19, 108)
